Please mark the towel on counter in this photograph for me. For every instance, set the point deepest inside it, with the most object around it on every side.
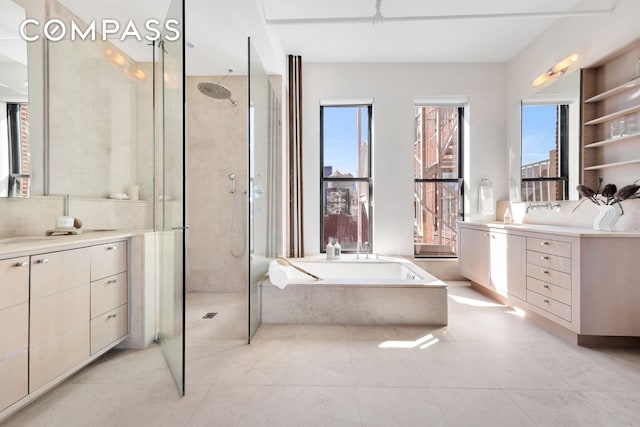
(279, 274)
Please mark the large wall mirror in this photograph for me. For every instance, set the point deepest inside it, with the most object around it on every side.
(15, 160)
(550, 141)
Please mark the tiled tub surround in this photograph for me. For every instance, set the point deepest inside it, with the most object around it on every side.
(357, 292)
(580, 279)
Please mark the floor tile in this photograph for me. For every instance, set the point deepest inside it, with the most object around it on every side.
(479, 407)
(389, 406)
(237, 405)
(318, 406)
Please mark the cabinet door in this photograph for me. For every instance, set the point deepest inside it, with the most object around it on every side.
(473, 258)
(58, 271)
(14, 281)
(508, 264)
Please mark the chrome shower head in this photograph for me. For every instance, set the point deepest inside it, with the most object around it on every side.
(232, 176)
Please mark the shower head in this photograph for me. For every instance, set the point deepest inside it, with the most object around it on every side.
(214, 90)
(217, 90)
(232, 176)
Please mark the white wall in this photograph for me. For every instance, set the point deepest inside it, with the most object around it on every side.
(590, 37)
(394, 88)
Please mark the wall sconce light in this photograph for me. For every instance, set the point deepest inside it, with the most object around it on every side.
(127, 67)
(557, 70)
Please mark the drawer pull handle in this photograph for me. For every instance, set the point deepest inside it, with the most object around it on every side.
(544, 257)
(111, 248)
(111, 316)
(545, 286)
(545, 271)
(43, 260)
(545, 300)
(109, 282)
(544, 243)
(21, 264)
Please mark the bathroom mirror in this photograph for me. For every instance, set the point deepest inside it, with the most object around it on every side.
(100, 111)
(15, 157)
(550, 141)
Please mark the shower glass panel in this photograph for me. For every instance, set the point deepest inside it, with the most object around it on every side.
(171, 222)
(264, 181)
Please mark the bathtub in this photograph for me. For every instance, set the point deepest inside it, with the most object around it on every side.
(388, 291)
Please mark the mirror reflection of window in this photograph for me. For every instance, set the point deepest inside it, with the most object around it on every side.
(14, 110)
(545, 154)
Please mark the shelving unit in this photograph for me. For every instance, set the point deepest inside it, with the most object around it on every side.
(611, 92)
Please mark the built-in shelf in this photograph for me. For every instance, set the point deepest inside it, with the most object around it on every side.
(612, 140)
(599, 150)
(611, 165)
(613, 116)
(635, 83)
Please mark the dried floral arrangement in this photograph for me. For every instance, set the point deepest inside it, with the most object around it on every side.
(610, 195)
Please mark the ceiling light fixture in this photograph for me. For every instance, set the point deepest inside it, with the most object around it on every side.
(555, 71)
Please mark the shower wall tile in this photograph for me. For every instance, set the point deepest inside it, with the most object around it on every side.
(216, 146)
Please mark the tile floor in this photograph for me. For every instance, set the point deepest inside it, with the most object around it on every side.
(489, 367)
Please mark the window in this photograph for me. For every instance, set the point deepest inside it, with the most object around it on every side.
(545, 160)
(345, 175)
(437, 166)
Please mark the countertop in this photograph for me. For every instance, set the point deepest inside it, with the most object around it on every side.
(551, 229)
(27, 245)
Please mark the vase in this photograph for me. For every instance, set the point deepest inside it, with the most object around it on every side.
(607, 217)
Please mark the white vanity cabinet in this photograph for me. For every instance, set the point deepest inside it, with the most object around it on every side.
(60, 308)
(582, 280)
(493, 259)
(14, 330)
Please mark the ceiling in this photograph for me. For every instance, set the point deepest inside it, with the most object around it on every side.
(448, 31)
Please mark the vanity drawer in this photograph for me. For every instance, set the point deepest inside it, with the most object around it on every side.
(551, 261)
(108, 293)
(59, 313)
(552, 291)
(108, 259)
(549, 275)
(58, 271)
(549, 304)
(14, 281)
(553, 247)
(107, 328)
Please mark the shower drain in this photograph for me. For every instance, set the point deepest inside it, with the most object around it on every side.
(209, 315)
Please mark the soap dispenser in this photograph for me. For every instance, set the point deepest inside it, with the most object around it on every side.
(337, 250)
(330, 250)
(507, 216)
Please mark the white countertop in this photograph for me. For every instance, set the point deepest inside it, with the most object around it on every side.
(27, 245)
(551, 229)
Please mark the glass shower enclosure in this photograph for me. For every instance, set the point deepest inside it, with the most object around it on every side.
(169, 87)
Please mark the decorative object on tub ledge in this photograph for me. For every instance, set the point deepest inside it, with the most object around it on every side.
(609, 202)
(282, 260)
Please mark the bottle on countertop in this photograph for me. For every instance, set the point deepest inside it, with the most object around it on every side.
(330, 250)
(507, 216)
(337, 250)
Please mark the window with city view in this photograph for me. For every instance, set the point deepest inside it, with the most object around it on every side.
(545, 163)
(345, 175)
(437, 166)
